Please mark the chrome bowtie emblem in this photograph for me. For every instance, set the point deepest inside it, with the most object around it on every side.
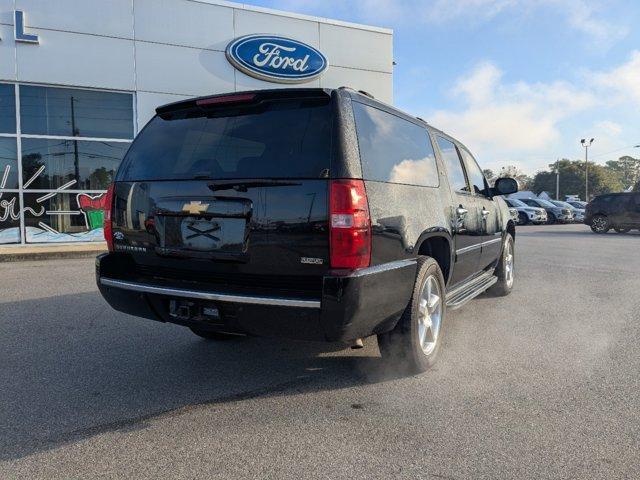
(195, 207)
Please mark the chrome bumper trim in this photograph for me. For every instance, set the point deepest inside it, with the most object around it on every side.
(218, 297)
(383, 267)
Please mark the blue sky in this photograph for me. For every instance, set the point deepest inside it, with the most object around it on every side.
(519, 81)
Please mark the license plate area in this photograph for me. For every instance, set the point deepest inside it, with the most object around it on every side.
(208, 228)
(203, 236)
(188, 310)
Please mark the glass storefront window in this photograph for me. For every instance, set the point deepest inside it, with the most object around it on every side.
(60, 197)
(8, 163)
(63, 217)
(9, 218)
(51, 164)
(7, 108)
(75, 113)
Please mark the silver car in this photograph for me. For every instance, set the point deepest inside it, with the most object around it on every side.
(578, 213)
(527, 214)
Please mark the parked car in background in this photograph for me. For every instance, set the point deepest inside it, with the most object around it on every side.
(620, 211)
(555, 214)
(514, 215)
(527, 214)
(578, 203)
(578, 213)
(313, 214)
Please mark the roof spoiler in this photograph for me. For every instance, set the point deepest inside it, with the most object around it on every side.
(239, 98)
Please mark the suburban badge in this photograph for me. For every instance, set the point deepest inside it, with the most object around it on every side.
(311, 261)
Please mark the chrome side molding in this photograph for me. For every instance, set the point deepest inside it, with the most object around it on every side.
(384, 267)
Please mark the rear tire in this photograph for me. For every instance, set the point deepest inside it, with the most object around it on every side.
(622, 230)
(551, 219)
(600, 224)
(214, 336)
(505, 269)
(413, 345)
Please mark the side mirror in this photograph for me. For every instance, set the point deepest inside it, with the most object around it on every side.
(505, 186)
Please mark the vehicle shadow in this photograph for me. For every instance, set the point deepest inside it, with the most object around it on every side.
(72, 368)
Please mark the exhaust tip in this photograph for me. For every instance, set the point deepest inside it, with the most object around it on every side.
(357, 344)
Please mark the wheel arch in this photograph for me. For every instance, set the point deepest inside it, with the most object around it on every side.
(511, 229)
(437, 245)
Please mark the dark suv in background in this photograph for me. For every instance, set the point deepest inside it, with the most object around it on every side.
(620, 211)
(305, 213)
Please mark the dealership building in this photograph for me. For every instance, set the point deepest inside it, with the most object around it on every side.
(79, 79)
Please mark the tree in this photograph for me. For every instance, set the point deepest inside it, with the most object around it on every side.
(511, 171)
(490, 176)
(100, 178)
(628, 169)
(572, 176)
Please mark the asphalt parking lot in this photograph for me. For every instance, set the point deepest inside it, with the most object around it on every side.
(541, 384)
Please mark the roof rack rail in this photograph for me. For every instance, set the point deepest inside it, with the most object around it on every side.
(421, 119)
(361, 92)
(366, 94)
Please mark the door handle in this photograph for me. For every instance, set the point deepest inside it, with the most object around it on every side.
(461, 212)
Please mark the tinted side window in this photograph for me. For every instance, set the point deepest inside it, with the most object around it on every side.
(452, 163)
(531, 203)
(476, 177)
(394, 150)
(621, 201)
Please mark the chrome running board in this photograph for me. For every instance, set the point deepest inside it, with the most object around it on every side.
(470, 290)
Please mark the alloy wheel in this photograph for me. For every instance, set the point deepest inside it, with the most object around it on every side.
(429, 314)
(599, 224)
(508, 263)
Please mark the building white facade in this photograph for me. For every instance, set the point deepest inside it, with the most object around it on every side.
(79, 78)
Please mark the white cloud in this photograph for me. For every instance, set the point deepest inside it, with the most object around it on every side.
(583, 16)
(414, 171)
(623, 81)
(505, 121)
(609, 128)
(528, 124)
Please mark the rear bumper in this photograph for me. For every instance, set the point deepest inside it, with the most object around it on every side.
(352, 304)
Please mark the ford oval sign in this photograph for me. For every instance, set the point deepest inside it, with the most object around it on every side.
(276, 59)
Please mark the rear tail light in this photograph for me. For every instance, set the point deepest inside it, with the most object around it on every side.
(108, 224)
(350, 228)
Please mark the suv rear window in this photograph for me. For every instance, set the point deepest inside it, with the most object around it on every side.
(393, 149)
(277, 139)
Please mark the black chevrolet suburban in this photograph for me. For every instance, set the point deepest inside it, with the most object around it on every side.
(304, 213)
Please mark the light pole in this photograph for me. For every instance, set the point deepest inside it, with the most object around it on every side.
(558, 179)
(586, 146)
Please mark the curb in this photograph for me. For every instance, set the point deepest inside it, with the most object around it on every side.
(22, 254)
